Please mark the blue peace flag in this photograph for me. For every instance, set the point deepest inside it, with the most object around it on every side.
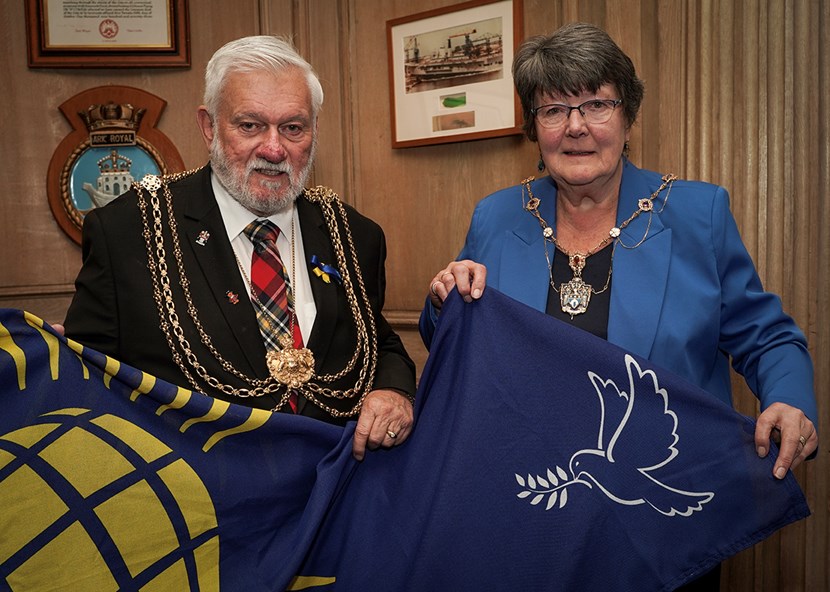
(545, 458)
(542, 459)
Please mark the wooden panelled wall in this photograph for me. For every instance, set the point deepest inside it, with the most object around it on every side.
(736, 94)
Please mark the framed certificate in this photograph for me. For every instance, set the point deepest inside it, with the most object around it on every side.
(106, 34)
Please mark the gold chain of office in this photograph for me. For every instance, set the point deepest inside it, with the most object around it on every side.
(366, 344)
(575, 295)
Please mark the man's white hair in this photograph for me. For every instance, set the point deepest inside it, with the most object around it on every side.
(255, 54)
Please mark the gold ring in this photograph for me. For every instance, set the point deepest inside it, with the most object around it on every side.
(803, 440)
(391, 434)
(445, 274)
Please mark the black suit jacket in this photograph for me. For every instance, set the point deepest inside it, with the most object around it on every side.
(114, 309)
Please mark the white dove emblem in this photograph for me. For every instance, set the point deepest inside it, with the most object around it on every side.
(620, 466)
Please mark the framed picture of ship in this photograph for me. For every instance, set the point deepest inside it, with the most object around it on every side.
(114, 142)
(449, 73)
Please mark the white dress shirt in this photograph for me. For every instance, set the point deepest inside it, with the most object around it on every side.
(236, 217)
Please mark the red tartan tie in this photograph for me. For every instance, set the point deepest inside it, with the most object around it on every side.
(271, 286)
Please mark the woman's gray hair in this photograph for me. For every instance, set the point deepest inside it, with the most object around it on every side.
(577, 58)
(255, 54)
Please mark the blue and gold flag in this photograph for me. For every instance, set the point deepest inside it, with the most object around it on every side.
(113, 480)
(543, 459)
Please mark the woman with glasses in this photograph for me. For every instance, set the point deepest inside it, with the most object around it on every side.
(647, 261)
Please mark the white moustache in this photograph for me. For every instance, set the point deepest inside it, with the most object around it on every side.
(269, 167)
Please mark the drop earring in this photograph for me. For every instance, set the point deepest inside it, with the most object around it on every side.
(541, 164)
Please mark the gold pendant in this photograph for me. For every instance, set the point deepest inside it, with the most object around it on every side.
(290, 366)
(575, 296)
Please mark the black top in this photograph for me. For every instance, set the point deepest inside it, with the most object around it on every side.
(595, 318)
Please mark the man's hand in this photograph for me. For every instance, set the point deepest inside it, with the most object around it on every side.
(385, 420)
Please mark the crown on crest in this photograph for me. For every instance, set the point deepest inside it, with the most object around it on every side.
(115, 163)
(112, 115)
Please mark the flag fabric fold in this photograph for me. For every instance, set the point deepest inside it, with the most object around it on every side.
(543, 458)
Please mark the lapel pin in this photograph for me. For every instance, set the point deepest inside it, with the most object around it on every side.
(324, 271)
(232, 297)
(203, 237)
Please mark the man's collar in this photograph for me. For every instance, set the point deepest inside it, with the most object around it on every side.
(236, 216)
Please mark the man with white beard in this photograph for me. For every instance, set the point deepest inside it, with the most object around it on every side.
(172, 277)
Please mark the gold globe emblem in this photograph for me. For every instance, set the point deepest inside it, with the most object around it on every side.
(95, 501)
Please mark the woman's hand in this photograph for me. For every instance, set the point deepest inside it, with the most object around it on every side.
(468, 277)
(798, 436)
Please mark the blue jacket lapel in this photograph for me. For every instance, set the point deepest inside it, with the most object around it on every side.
(523, 265)
(640, 274)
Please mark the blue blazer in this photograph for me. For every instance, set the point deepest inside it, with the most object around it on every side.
(688, 298)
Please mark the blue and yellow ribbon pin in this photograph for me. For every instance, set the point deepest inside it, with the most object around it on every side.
(325, 271)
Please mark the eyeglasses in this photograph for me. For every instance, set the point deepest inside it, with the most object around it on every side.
(594, 111)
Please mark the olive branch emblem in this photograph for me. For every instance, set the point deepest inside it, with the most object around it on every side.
(554, 486)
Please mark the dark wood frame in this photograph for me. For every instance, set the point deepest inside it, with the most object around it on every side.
(516, 128)
(177, 55)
